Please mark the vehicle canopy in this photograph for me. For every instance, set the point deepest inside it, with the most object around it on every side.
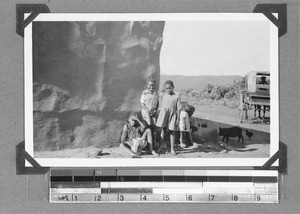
(258, 82)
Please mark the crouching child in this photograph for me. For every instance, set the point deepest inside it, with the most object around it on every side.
(136, 137)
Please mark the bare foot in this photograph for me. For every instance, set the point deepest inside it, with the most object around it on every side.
(154, 153)
(195, 145)
(173, 152)
(182, 145)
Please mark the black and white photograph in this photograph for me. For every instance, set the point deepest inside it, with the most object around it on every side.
(151, 89)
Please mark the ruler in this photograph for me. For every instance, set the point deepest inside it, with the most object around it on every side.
(165, 186)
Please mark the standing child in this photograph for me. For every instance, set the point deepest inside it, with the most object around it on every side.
(149, 102)
(169, 114)
(185, 125)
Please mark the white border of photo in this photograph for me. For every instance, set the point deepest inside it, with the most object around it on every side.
(153, 162)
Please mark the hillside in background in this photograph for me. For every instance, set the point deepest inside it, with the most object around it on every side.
(197, 82)
(207, 90)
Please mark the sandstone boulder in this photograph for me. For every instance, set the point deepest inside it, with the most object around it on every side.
(87, 77)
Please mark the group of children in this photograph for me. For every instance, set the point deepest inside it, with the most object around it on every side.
(172, 117)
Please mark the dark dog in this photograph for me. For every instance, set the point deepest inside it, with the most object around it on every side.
(231, 132)
(249, 134)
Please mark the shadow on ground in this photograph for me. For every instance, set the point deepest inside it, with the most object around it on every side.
(208, 141)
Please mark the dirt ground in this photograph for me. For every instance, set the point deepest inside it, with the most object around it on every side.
(214, 116)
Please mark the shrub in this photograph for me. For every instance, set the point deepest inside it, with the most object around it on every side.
(224, 95)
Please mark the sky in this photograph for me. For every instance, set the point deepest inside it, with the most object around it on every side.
(195, 48)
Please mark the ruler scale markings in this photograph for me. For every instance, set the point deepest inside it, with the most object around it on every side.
(201, 186)
(241, 197)
(61, 197)
(220, 197)
(100, 198)
(174, 197)
(212, 198)
(197, 197)
(264, 198)
(112, 197)
(151, 197)
(128, 197)
(83, 197)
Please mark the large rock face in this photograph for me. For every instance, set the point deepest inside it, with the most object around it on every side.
(87, 77)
